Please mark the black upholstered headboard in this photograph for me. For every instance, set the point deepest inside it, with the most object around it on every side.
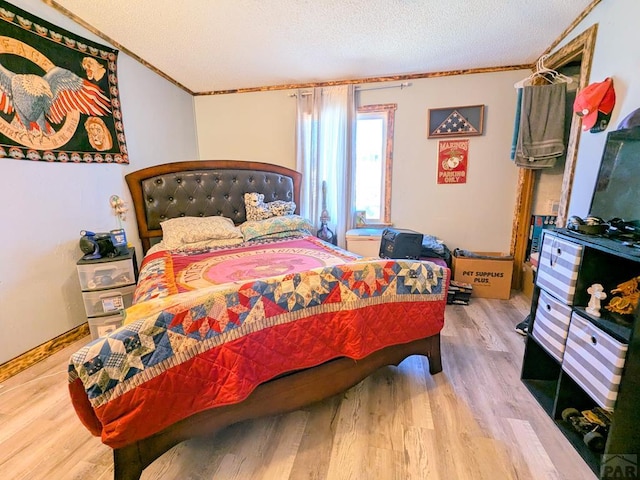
(204, 188)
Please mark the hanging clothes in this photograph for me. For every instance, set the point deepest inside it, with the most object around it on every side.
(516, 127)
(540, 137)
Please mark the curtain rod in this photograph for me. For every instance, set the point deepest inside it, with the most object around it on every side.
(361, 89)
(400, 86)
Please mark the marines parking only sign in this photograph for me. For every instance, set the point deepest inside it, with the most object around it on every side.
(453, 156)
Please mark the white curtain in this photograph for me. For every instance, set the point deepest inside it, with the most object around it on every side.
(325, 130)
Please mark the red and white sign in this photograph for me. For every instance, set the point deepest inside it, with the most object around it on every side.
(452, 161)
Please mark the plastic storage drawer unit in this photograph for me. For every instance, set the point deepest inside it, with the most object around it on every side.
(107, 302)
(97, 276)
(558, 267)
(101, 326)
(594, 360)
(551, 324)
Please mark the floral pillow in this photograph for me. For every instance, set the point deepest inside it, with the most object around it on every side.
(257, 209)
(287, 225)
(203, 245)
(177, 232)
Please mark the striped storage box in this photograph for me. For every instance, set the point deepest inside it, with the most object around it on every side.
(558, 267)
(551, 324)
(594, 360)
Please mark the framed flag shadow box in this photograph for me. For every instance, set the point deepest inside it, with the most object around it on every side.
(455, 121)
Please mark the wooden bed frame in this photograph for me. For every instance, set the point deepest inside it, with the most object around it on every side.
(156, 192)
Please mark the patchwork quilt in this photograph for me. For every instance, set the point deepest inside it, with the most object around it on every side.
(208, 328)
(166, 273)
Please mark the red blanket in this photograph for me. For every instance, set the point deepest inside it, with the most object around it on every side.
(195, 350)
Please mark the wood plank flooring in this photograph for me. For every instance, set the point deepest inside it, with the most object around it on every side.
(475, 420)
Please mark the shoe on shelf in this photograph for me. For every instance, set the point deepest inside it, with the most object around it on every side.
(523, 327)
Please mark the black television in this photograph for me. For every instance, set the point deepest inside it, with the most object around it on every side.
(617, 192)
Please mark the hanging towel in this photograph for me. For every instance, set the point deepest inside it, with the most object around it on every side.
(516, 126)
(541, 132)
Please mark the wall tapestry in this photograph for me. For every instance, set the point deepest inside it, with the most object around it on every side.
(58, 94)
(453, 157)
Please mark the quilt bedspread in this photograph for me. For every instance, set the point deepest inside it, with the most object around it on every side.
(166, 273)
(213, 346)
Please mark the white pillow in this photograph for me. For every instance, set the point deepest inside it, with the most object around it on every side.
(179, 231)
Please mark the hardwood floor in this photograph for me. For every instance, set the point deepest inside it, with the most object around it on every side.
(475, 420)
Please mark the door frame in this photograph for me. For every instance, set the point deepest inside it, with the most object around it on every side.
(580, 48)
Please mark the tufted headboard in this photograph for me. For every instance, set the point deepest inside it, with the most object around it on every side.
(203, 188)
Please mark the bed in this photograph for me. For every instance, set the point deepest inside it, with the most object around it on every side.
(240, 312)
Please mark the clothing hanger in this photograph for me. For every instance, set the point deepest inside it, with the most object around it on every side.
(555, 75)
(551, 76)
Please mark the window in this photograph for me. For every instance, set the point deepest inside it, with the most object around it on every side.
(374, 158)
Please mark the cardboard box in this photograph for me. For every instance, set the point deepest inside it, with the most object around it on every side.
(490, 277)
(528, 274)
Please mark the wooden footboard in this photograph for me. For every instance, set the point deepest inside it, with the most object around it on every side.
(281, 395)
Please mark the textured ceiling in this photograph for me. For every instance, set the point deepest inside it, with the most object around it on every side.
(214, 45)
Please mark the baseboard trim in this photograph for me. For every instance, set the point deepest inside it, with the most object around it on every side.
(39, 353)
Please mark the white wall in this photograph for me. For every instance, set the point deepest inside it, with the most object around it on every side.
(477, 215)
(47, 204)
(257, 126)
(617, 55)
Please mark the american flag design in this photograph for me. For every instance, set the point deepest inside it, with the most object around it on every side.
(455, 123)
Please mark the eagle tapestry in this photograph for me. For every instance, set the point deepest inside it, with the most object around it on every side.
(58, 94)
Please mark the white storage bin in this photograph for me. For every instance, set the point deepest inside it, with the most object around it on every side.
(98, 276)
(364, 241)
(101, 326)
(106, 302)
(551, 324)
(558, 267)
(594, 360)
